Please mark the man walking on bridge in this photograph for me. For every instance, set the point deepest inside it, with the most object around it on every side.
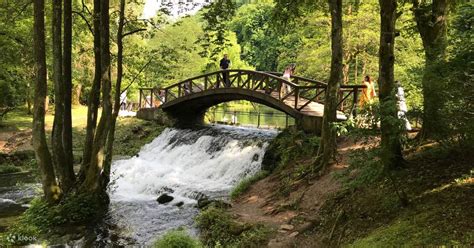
(224, 64)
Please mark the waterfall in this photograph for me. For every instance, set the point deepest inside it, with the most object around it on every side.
(184, 164)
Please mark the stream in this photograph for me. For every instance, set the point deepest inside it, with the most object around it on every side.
(185, 164)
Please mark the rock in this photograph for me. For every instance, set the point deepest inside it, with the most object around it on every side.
(164, 198)
(179, 204)
(287, 227)
(204, 203)
(306, 226)
(10, 208)
(293, 234)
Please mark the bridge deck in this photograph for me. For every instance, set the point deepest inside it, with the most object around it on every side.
(312, 109)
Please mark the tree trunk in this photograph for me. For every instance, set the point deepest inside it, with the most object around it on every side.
(94, 97)
(43, 157)
(59, 156)
(67, 77)
(327, 148)
(391, 148)
(432, 26)
(92, 181)
(76, 96)
(118, 85)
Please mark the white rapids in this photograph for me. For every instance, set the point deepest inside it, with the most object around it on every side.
(185, 164)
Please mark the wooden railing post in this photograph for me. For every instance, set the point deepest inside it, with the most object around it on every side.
(140, 101)
(166, 95)
(355, 101)
(297, 94)
(151, 98)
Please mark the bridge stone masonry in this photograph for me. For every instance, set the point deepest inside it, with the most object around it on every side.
(187, 101)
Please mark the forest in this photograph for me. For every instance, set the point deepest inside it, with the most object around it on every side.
(384, 176)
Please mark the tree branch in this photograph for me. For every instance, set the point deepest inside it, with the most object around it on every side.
(134, 31)
(85, 20)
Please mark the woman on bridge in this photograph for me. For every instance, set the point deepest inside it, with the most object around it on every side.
(289, 71)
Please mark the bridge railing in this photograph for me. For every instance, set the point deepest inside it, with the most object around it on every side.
(298, 94)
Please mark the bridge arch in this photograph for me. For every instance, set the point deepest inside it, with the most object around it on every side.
(303, 99)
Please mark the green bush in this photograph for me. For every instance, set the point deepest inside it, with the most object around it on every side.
(245, 184)
(177, 239)
(41, 218)
(289, 145)
(218, 229)
(8, 168)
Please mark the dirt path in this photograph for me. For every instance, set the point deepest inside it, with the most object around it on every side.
(297, 213)
(13, 141)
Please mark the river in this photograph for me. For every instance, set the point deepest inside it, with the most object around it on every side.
(183, 163)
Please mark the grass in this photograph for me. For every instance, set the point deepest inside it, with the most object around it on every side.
(8, 168)
(245, 184)
(177, 239)
(439, 184)
(219, 229)
(20, 120)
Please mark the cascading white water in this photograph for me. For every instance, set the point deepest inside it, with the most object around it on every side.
(184, 164)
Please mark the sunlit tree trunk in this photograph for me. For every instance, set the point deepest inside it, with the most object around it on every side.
(59, 156)
(327, 148)
(118, 85)
(94, 97)
(67, 77)
(43, 157)
(431, 21)
(390, 128)
(93, 175)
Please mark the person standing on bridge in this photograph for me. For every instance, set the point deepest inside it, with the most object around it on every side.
(368, 93)
(289, 71)
(224, 65)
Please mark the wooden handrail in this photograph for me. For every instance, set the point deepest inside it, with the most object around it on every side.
(266, 82)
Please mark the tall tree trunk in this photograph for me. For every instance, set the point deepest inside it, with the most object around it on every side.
(118, 85)
(92, 181)
(94, 97)
(431, 21)
(67, 77)
(59, 156)
(391, 148)
(327, 148)
(43, 157)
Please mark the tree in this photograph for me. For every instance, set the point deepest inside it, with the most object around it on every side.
(431, 21)
(328, 146)
(43, 157)
(390, 125)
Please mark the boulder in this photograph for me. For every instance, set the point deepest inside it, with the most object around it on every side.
(164, 198)
(10, 208)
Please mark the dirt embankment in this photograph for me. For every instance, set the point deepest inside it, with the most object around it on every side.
(14, 141)
(296, 212)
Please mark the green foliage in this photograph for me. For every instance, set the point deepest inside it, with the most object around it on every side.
(41, 218)
(218, 229)
(367, 167)
(245, 184)
(9, 168)
(214, 39)
(289, 145)
(132, 134)
(457, 119)
(177, 239)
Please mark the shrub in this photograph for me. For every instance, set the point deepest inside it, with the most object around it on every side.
(289, 145)
(177, 239)
(41, 218)
(8, 168)
(245, 184)
(218, 229)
